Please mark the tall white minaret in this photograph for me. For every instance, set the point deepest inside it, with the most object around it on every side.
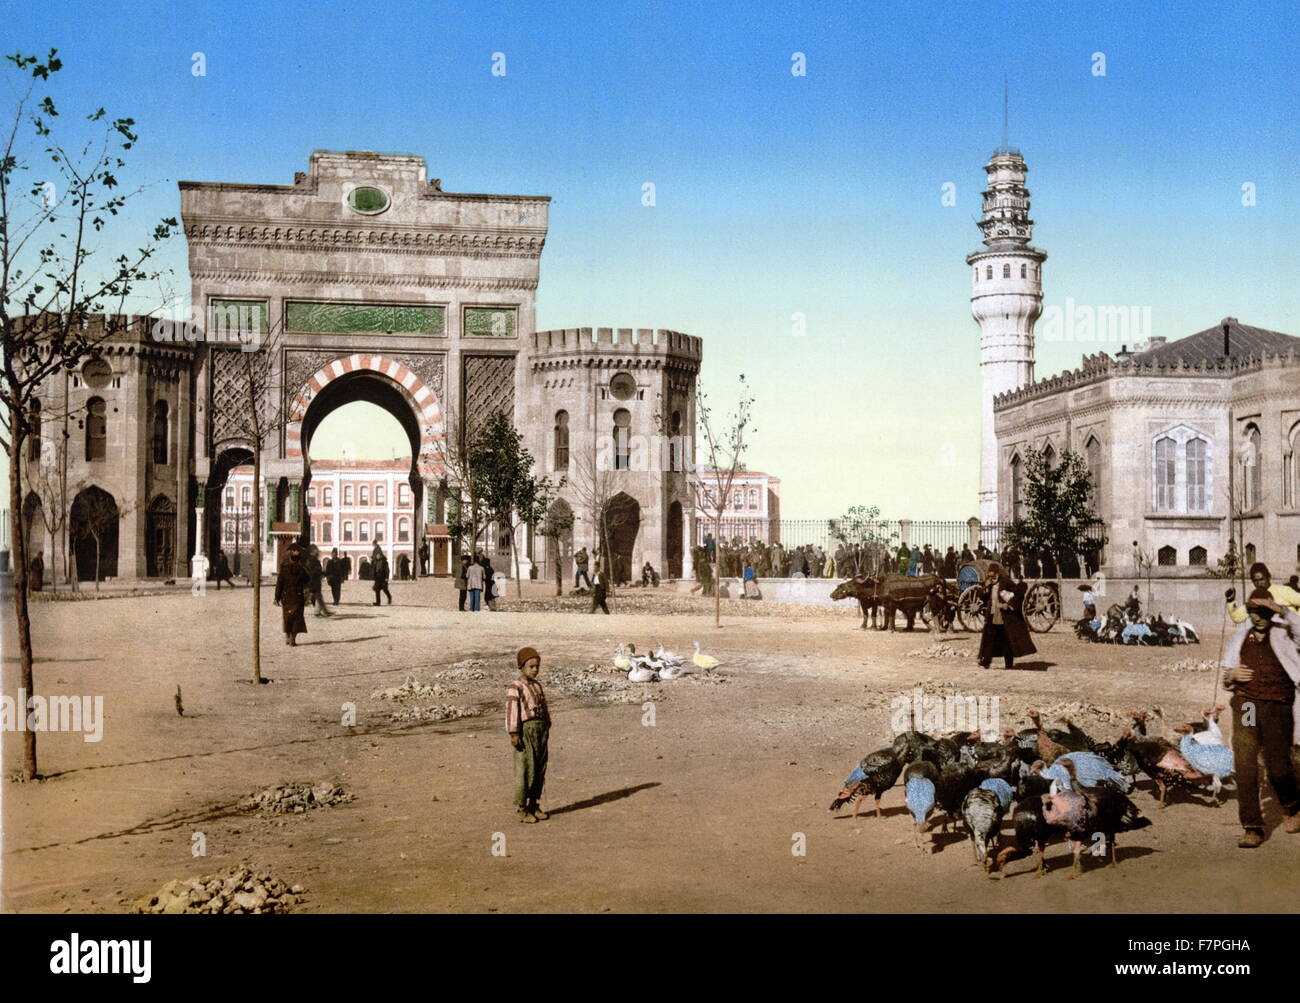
(1006, 299)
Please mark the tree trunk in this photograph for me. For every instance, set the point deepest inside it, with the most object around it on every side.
(256, 570)
(21, 612)
(96, 562)
(559, 570)
(514, 553)
(717, 570)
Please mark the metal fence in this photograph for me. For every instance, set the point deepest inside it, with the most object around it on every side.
(825, 533)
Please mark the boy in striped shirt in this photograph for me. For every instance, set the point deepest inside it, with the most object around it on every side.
(528, 723)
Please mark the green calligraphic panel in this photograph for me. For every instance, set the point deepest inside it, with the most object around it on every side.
(345, 318)
(234, 317)
(489, 322)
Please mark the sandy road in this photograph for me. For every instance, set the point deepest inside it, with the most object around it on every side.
(699, 812)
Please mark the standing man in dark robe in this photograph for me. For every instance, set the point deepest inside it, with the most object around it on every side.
(379, 573)
(335, 572)
(36, 572)
(347, 567)
(1005, 631)
(424, 557)
(223, 570)
(462, 580)
(292, 587)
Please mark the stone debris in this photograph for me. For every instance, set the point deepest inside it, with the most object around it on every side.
(411, 689)
(235, 890)
(465, 671)
(594, 683)
(296, 798)
(436, 712)
(1191, 665)
(939, 650)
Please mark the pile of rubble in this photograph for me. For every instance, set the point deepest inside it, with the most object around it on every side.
(939, 650)
(1191, 665)
(595, 683)
(237, 889)
(436, 712)
(288, 799)
(411, 689)
(465, 671)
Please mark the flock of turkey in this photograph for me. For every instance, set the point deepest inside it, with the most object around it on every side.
(1052, 782)
(661, 664)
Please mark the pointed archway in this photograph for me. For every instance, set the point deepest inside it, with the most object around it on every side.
(622, 524)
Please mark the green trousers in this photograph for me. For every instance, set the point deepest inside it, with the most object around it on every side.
(530, 764)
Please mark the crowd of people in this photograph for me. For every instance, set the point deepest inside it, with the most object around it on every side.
(812, 560)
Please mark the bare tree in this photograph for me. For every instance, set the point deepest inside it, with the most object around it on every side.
(557, 524)
(715, 468)
(263, 408)
(454, 452)
(594, 487)
(53, 217)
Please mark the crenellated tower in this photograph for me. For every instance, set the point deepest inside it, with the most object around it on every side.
(1006, 299)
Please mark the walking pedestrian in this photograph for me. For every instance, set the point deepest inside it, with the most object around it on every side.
(223, 570)
(315, 575)
(292, 589)
(528, 723)
(379, 572)
(580, 560)
(489, 584)
(36, 572)
(1005, 632)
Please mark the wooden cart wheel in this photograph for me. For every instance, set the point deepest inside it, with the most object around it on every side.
(1041, 608)
(970, 610)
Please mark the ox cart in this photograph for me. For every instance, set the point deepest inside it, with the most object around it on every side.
(1041, 607)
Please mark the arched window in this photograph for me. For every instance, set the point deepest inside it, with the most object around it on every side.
(347, 531)
(34, 430)
(403, 494)
(403, 529)
(347, 494)
(988, 271)
(1006, 270)
(1252, 467)
(1167, 557)
(1038, 271)
(363, 497)
(96, 429)
(1166, 474)
(380, 494)
(230, 497)
(675, 435)
(1092, 457)
(327, 495)
(245, 496)
(561, 440)
(622, 439)
(160, 433)
(327, 532)
(1196, 557)
(977, 273)
(1250, 554)
(1194, 460)
(1290, 468)
(379, 531)
(1024, 270)
(311, 497)
(364, 529)
(1017, 499)
(753, 497)
(1049, 456)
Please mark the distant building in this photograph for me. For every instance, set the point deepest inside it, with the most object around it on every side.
(354, 505)
(753, 510)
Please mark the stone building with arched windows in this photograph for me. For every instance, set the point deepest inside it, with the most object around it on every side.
(1166, 430)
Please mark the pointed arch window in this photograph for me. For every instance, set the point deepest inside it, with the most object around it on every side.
(622, 439)
(1006, 271)
(1166, 474)
(561, 441)
(1092, 458)
(96, 429)
(1252, 468)
(1194, 464)
(1024, 270)
(988, 271)
(1017, 488)
(160, 433)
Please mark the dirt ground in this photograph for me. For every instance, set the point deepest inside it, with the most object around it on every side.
(698, 812)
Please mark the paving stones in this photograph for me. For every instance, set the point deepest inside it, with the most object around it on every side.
(236, 890)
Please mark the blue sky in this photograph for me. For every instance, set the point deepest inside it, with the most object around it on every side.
(776, 194)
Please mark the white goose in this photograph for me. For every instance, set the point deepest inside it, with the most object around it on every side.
(668, 657)
(702, 660)
(621, 659)
(641, 672)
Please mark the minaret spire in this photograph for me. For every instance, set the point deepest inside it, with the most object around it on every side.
(1006, 141)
